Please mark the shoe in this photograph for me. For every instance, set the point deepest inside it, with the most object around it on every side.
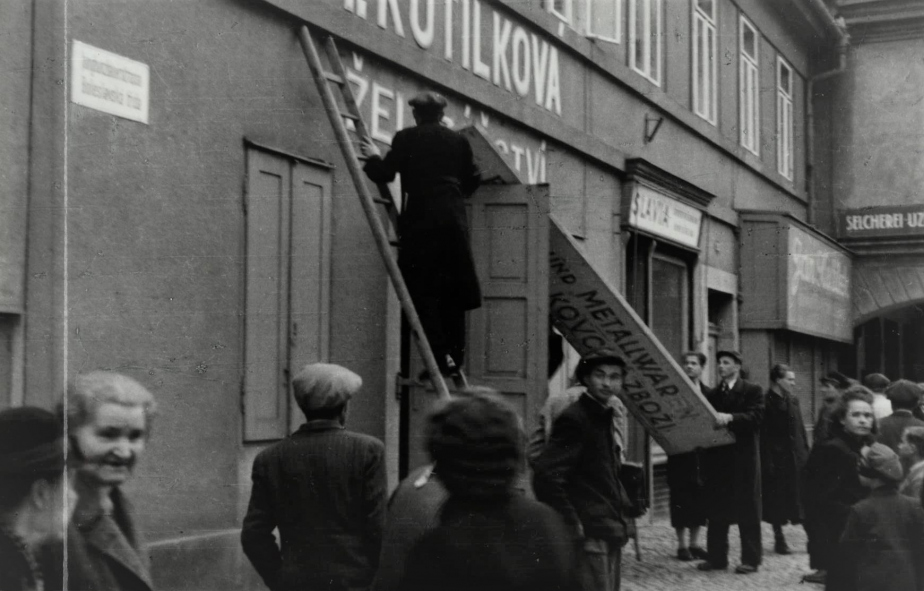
(697, 552)
(745, 569)
(684, 554)
(780, 547)
(706, 566)
(819, 576)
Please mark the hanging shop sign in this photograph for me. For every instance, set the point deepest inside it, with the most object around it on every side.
(109, 82)
(662, 216)
(793, 277)
(591, 314)
(882, 222)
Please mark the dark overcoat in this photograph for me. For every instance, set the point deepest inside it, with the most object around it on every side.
(104, 554)
(507, 544)
(437, 172)
(324, 488)
(882, 546)
(832, 487)
(733, 487)
(19, 570)
(893, 426)
(686, 481)
(783, 452)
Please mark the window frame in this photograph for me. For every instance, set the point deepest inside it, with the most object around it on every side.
(748, 64)
(567, 17)
(708, 111)
(631, 40)
(785, 123)
(589, 24)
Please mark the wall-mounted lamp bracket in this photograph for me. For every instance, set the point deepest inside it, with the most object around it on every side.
(652, 125)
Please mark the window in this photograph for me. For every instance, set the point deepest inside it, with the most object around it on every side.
(705, 95)
(645, 38)
(784, 123)
(288, 278)
(749, 102)
(604, 18)
(563, 9)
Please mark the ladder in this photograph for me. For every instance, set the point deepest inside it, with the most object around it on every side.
(338, 77)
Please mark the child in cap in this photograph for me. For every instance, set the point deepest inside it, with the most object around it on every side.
(882, 546)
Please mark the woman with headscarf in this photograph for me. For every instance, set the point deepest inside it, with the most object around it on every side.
(832, 480)
(36, 500)
(490, 537)
(108, 422)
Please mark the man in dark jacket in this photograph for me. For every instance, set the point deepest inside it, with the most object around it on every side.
(733, 471)
(783, 453)
(577, 473)
(324, 489)
(437, 172)
(833, 386)
(904, 396)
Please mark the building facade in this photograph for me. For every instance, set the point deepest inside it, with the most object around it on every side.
(178, 210)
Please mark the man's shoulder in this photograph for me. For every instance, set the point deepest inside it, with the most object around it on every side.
(363, 440)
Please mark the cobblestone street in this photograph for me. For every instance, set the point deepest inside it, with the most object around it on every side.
(660, 570)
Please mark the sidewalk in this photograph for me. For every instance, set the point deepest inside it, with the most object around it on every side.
(659, 570)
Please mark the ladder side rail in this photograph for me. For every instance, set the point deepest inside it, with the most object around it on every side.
(349, 100)
(378, 230)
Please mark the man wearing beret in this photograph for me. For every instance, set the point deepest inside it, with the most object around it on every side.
(437, 173)
(733, 484)
(324, 489)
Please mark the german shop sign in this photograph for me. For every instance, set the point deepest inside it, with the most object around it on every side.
(882, 222)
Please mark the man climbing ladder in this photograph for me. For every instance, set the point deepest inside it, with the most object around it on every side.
(437, 172)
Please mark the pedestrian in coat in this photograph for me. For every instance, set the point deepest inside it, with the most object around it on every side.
(832, 482)
(882, 546)
(733, 471)
(833, 386)
(108, 422)
(911, 450)
(783, 453)
(490, 537)
(437, 173)
(878, 384)
(577, 473)
(36, 499)
(904, 396)
(324, 488)
(685, 479)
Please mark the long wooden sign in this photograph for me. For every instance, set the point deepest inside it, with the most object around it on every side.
(591, 314)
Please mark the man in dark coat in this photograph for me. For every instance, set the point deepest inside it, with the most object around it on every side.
(324, 489)
(783, 452)
(904, 396)
(833, 386)
(733, 471)
(685, 479)
(437, 173)
(577, 473)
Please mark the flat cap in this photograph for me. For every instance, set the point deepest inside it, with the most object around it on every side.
(729, 353)
(876, 382)
(836, 379)
(428, 100)
(321, 386)
(31, 442)
(904, 394)
(879, 461)
(597, 357)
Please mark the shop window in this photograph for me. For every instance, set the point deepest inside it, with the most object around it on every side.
(288, 278)
(705, 92)
(749, 84)
(784, 123)
(604, 20)
(563, 9)
(645, 38)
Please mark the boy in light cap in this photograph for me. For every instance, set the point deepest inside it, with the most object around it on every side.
(882, 546)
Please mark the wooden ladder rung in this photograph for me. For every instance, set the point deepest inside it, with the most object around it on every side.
(335, 78)
(383, 201)
(348, 115)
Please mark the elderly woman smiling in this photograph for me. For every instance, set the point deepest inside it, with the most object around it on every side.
(108, 421)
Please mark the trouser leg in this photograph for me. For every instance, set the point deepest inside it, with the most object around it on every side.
(431, 319)
(453, 321)
(750, 542)
(717, 542)
(600, 568)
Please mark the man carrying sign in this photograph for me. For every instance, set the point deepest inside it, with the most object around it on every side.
(733, 471)
(577, 473)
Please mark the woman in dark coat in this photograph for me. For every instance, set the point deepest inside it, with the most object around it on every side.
(832, 480)
(108, 422)
(490, 537)
(783, 453)
(437, 172)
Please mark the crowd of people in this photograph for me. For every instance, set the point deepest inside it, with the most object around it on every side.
(468, 520)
